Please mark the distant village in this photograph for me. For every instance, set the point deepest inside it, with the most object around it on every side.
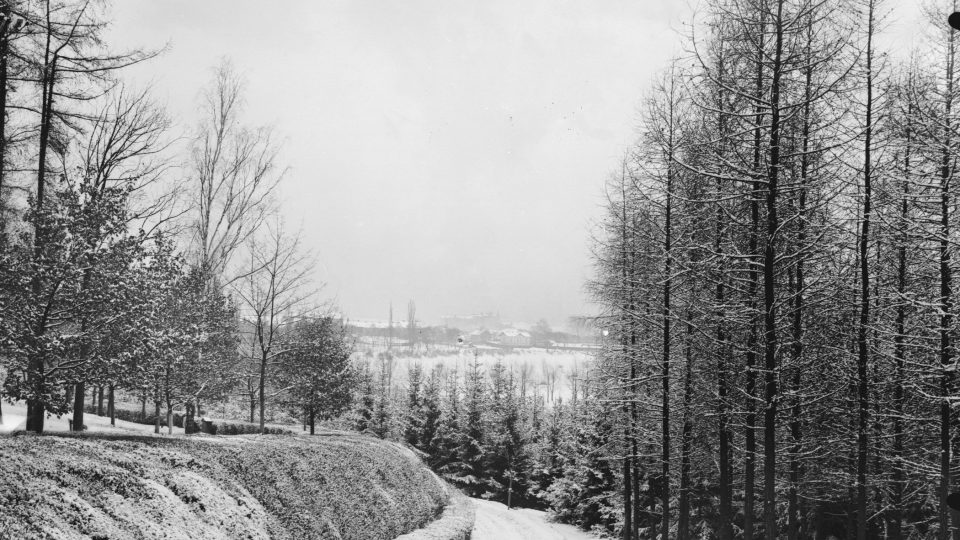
(484, 331)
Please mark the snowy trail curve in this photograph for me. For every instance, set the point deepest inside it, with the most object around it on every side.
(495, 522)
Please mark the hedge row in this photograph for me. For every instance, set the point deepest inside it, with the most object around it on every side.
(233, 428)
(216, 427)
(341, 487)
(136, 417)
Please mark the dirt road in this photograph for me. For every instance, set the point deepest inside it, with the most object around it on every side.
(495, 522)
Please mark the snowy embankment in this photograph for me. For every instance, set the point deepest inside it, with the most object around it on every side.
(455, 523)
(496, 522)
(339, 485)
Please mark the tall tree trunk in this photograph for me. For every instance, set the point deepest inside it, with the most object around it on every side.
(35, 374)
(722, 350)
(4, 51)
(895, 531)
(772, 396)
(686, 442)
(665, 369)
(253, 405)
(100, 400)
(263, 382)
(110, 407)
(79, 397)
(946, 297)
(629, 467)
(627, 532)
(750, 442)
(863, 347)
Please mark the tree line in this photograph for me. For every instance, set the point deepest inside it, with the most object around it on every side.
(493, 431)
(775, 266)
(139, 257)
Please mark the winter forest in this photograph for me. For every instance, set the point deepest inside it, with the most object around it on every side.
(776, 268)
(775, 350)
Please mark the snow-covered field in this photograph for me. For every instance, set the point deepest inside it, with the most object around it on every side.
(551, 371)
(496, 522)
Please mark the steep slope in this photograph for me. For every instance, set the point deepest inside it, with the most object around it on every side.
(337, 486)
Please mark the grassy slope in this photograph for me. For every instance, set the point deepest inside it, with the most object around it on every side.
(340, 486)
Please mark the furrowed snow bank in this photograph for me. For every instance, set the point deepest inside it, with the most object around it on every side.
(338, 486)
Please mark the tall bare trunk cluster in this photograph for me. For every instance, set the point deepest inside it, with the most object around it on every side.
(788, 207)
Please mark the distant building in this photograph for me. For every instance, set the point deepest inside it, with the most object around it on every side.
(511, 337)
(472, 323)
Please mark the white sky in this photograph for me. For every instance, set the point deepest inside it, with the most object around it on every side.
(452, 152)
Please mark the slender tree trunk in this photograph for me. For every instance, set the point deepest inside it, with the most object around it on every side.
(627, 492)
(36, 409)
(100, 400)
(110, 407)
(156, 417)
(946, 297)
(79, 396)
(863, 352)
(722, 350)
(769, 294)
(263, 382)
(686, 443)
(629, 467)
(4, 50)
(750, 443)
(313, 419)
(253, 406)
(665, 370)
(899, 347)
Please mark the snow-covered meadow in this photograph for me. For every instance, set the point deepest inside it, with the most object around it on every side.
(552, 373)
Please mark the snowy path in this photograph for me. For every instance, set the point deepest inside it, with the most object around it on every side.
(495, 522)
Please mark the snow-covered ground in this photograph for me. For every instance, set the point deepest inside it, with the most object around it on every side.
(496, 522)
(551, 372)
(15, 417)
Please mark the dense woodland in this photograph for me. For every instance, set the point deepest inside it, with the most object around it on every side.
(141, 258)
(775, 268)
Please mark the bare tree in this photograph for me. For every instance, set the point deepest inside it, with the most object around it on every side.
(274, 293)
(236, 172)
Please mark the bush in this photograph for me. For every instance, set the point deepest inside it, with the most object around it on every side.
(134, 416)
(239, 428)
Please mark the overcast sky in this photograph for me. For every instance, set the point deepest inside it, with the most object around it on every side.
(450, 152)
